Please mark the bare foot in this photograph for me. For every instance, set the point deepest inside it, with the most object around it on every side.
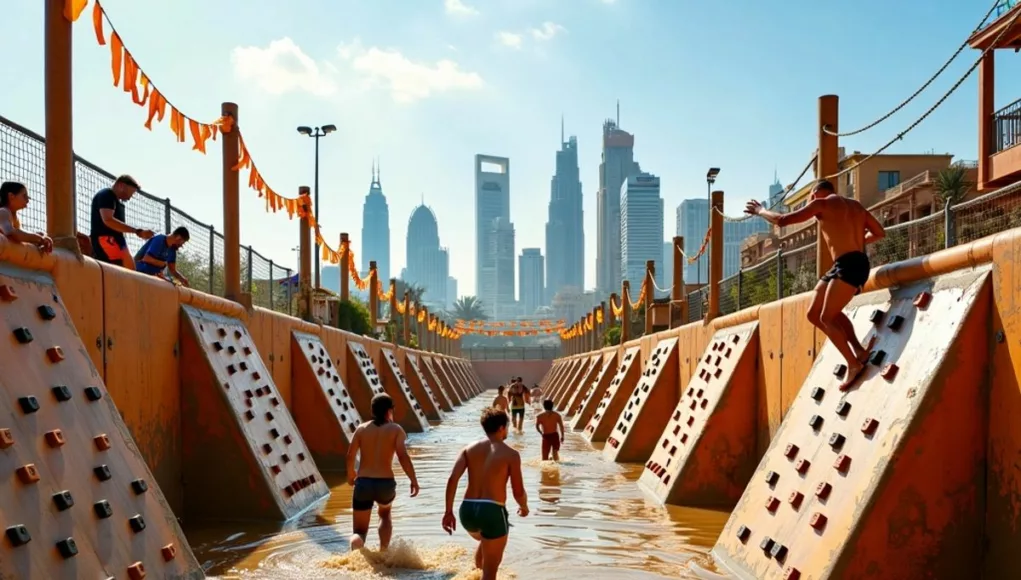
(357, 542)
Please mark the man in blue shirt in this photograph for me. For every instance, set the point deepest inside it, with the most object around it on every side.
(160, 252)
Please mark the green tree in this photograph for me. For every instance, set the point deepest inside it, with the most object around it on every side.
(469, 308)
(354, 317)
(951, 185)
(195, 268)
(611, 336)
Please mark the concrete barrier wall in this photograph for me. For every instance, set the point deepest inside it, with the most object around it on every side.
(130, 325)
(497, 372)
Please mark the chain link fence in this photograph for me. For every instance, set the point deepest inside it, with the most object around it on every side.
(23, 159)
(788, 273)
(512, 353)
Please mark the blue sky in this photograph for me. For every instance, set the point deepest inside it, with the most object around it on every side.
(427, 84)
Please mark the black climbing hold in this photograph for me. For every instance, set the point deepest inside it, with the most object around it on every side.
(839, 370)
(102, 509)
(837, 440)
(28, 404)
(139, 486)
(896, 322)
(63, 500)
(137, 523)
(61, 393)
(766, 545)
(843, 408)
(23, 335)
(818, 393)
(877, 316)
(18, 535)
(815, 422)
(102, 472)
(93, 393)
(877, 357)
(772, 477)
(67, 548)
(47, 312)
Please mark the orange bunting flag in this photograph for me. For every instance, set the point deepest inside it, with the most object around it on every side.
(74, 8)
(132, 79)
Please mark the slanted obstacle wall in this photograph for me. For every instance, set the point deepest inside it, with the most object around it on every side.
(427, 398)
(580, 382)
(414, 371)
(707, 452)
(469, 375)
(613, 400)
(604, 372)
(244, 456)
(570, 369)
(408, 411)
(886, 480)
(441, 382)
(76, 498)
(569, 380)
(448, 380)
(322, 408)
(648, 407)
(363, 379)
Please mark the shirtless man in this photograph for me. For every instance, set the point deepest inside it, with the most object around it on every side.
(536, 395)
(377, 440)
(518, 398)
(490, 463)
(500, 402)
(845, 227)
(550, 425)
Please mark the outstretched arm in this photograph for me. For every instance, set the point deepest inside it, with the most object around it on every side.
(405, 460)
(875, 229)
(812, 210)
(455, 477)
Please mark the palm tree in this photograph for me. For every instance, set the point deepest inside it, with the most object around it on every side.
(469, 308)
(951, 185)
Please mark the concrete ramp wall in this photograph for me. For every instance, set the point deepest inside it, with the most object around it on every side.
(885, 480)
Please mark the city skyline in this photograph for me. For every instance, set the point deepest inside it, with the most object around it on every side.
(390, 96)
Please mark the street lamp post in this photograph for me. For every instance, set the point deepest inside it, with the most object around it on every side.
(316, 133)
(710, 179)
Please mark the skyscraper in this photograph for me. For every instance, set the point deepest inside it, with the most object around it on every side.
(565, 234)
(641, 227)
(618, 163)
(501, 303)
(531, 287)
(734, 234)
(492, 212)
(776, 195)
(692, 223)
(376, 229)
(428, 263)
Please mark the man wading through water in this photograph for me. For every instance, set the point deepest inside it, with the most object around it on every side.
(377, 440)
(490, 464)
(845, 228)
(518, 394)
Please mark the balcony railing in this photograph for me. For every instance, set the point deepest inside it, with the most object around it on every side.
(1007, 127)
(922, 178)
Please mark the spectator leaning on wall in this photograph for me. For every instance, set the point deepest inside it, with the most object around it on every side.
(107, 223)
(159, 253)
(14, 198)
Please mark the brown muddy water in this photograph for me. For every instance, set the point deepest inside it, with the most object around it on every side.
(588, 518)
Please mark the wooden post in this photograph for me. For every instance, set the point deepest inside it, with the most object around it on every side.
(57, 71)
(305, 264)
(611, 319)
(373, 296)
(392, 289)
(650, 293)
(677, 298)
(420, 327)
(345, 265)
(625, 315)
(407, 320)
(715, 255)
(231, 207)
(597, 331)
(602, 327)
(827, 163)
(986, 109)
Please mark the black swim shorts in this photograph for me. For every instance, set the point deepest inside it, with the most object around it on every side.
(852, 268)
(373, 490)
(518, 412)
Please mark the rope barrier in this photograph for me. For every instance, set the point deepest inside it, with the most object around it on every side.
(932, 79)
(783, 199)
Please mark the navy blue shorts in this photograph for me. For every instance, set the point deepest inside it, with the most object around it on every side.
(371, 491)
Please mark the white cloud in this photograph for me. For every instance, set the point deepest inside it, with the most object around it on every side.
(459, 8)
(282, 67)
(407, 80)
(547, 31)
(509, 39)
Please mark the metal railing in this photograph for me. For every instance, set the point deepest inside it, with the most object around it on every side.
(1007, 127)
(786, 273)
(512, 353)
(23, 158)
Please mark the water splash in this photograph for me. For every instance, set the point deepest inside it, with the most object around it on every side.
(404, 556)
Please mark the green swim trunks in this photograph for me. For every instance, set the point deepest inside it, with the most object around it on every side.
(484, 517)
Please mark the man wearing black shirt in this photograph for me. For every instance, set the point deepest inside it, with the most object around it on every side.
(107, 223)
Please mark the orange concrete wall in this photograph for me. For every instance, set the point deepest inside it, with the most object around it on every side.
(130, 323)
(494, 373)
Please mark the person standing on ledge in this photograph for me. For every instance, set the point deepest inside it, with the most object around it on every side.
(377, 440)
(14, 198)
(490, 463)
(107, 226)
(845, 228)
